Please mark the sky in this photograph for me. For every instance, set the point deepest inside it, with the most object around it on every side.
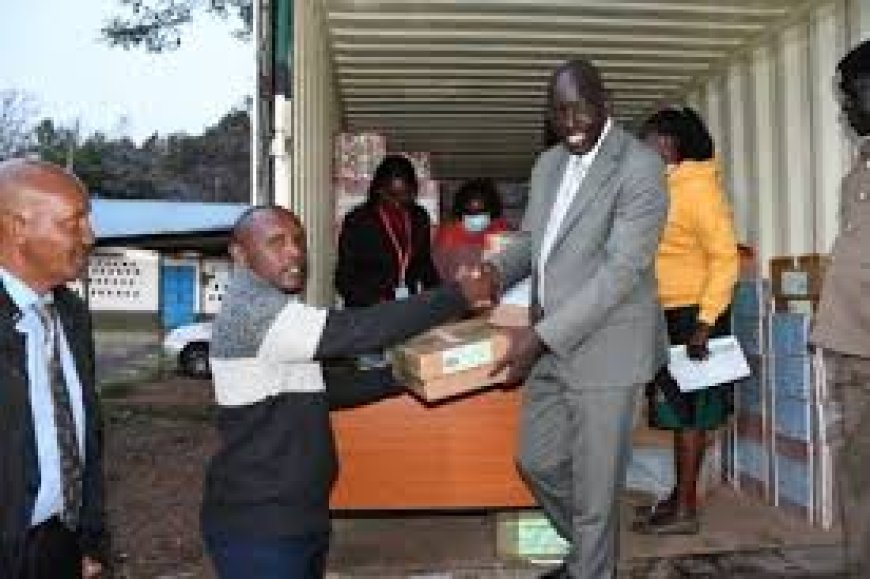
(51, 50)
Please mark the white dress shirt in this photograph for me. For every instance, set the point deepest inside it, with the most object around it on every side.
(575, 172)
(49, 497)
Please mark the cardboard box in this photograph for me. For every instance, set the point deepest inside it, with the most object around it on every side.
(793, 377)
(358, 155)
(528, 534)
(798, 276)
(436, 389)
(422, 162)
(451, 359)
(790, 334)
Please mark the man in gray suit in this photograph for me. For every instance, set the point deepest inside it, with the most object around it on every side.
(597, 206)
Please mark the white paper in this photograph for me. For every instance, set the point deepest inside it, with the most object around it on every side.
(726, 363)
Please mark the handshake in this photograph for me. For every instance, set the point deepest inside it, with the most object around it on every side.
(480, 285)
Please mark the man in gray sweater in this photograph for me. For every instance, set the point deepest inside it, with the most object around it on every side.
(265, 507)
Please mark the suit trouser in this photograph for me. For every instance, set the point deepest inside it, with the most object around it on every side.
(851, 377)
(574, 448)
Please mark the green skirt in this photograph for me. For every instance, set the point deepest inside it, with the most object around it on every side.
(670, 409)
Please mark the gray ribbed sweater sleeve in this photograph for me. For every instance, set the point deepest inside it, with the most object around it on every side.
(359, 330)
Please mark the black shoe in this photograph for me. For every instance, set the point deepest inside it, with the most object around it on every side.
(662, 506)
(678, 522)
(560, 572)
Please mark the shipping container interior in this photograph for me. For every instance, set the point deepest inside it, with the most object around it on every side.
(465, 80)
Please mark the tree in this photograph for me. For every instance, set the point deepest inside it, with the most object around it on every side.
(156, 25)
(16, 117)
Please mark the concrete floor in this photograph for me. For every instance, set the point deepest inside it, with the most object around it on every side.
(739, 538)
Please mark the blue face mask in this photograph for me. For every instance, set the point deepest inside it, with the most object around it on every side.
(475, 223)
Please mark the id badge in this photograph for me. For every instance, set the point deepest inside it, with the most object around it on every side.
(402, 292)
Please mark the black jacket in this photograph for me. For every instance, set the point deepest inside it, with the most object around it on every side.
(367, 268)
(19, 463)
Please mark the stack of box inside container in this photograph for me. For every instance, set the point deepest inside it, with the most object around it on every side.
(781, 443)
(750, 450)
(357, 156)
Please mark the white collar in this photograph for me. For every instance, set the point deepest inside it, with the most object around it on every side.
(587, 158)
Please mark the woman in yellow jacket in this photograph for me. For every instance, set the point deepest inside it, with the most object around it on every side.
(697, 266)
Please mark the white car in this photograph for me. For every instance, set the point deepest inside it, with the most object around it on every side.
(189, 346)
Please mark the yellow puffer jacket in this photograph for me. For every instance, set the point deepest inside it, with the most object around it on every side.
(697, 261)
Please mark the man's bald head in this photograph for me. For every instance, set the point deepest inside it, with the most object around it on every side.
(45, 234)
(246, 224)
(25, 183)
(585, 77)
(578, 105)
(270, 241)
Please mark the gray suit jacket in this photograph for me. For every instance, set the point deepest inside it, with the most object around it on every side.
(600, 314)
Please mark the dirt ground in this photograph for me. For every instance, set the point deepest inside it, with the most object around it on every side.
(158, 439)
(159, 436)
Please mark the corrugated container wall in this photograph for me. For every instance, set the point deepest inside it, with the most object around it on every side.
(315, 118)
(774, 116)
(772, 111)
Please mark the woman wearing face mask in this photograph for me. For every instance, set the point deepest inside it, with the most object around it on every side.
(697, 265)
(384, 248)
(476, 214)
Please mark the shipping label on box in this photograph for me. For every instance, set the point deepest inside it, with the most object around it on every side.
(466, 357)
(798, 276)
(450, 349)
(795, 283)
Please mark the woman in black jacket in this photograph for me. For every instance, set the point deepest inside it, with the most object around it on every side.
(384, 248)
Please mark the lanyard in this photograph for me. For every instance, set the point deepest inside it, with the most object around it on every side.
(403, 255)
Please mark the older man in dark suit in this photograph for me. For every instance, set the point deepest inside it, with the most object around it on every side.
(51, 489)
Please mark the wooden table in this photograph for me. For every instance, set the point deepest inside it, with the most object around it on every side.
(402, 454)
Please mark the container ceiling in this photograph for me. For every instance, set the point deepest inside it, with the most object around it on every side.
(466, 79)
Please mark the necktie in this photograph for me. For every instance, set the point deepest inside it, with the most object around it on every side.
(70, 457)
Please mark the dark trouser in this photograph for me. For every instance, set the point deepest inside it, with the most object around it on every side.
(851, 376)
(51, 551)
(238, 556)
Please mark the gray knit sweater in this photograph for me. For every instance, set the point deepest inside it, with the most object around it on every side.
(276, 465)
